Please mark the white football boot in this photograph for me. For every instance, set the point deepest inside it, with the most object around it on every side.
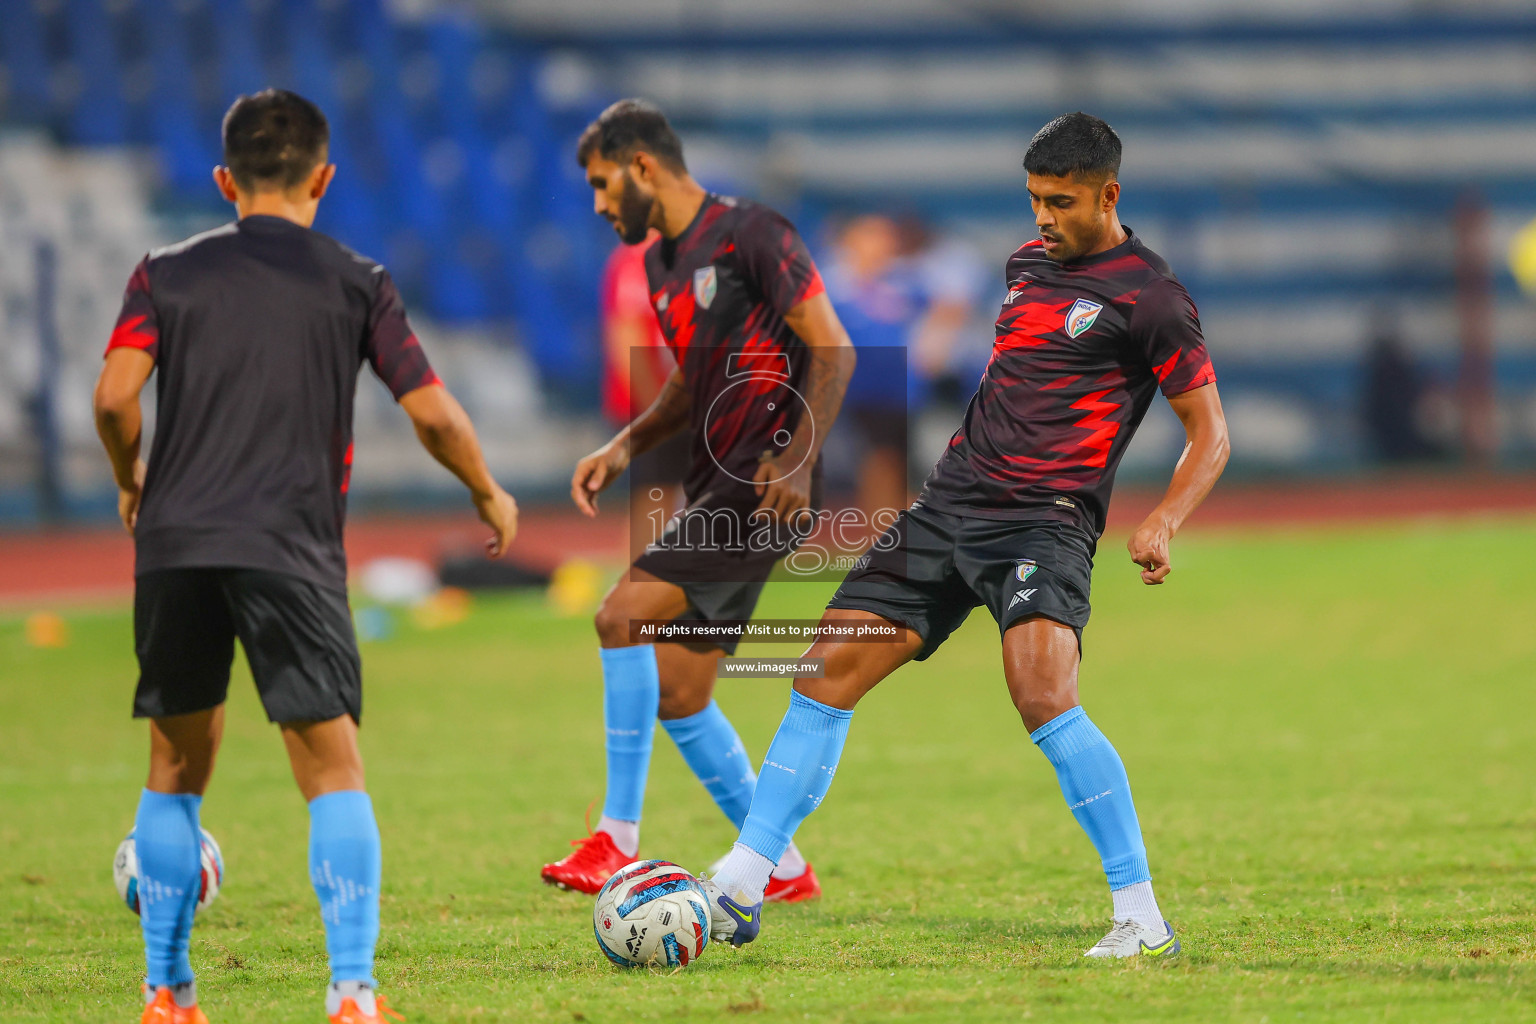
(1128, 938)
(730, 921)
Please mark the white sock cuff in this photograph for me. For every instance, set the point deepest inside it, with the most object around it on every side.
(1135, 902)
(625, 834)
(791, 865)
(360, 992)
(744, 875)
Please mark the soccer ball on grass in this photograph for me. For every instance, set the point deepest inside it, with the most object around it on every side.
(125, 872)
(651, 912)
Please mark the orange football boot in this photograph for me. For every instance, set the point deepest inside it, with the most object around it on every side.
(595, 861)
(803, 886)
(162, 1009)
(351, 1013)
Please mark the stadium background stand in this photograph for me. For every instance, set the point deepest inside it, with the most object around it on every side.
(1303, 174)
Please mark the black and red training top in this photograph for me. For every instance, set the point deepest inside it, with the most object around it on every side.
(721, 289)
(1081, 348)
(258, 330)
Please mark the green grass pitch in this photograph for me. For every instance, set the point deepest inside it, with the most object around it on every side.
(1331, 735)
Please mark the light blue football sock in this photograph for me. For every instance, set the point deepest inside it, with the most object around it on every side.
(1094, 782)
(166, 839)
(345, 867)
(796, 774)
(710, 746)
(631, 696)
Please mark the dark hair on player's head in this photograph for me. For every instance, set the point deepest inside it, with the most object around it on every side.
(274, 139)
(627, 126)
(1075, 144)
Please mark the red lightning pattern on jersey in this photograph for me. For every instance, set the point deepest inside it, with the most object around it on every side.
(1101, 431)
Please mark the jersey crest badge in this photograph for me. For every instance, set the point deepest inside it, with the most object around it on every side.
(1026, 569)
(1081, 316)
(661, 303)
(705, 283)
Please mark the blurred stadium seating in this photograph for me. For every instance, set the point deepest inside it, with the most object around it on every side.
(1305, 170)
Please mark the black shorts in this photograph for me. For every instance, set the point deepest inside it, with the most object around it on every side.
(931, 568)
(724, 576)
(297, 636)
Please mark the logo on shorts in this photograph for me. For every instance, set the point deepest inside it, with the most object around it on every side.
(1021, 597)
(1026, 569)
(1081, 316)
(705, 283)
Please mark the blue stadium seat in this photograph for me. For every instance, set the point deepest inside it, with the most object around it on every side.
(26, 62)
(97, 113)
(185, 152)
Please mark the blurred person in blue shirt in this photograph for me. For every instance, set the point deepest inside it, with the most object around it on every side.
(880, 301)
(951, 279)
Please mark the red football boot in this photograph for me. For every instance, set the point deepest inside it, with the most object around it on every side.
(793, 890)
(160, 1008)
(595, 861)
(351, 1013)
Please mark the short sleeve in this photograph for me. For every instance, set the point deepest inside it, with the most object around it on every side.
(138, 326)
(776, 262)
(391, 347)
(1166, 328)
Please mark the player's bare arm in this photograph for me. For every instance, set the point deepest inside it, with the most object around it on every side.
(815, 322)
(120, 423)
(1205, 455)
(444, 429)
(665, 417)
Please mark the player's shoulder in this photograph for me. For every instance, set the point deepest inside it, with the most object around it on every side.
(346, 260)
(1032, 251)
(203, 251)
(190, 249)
(737, 214)
(1140, 256)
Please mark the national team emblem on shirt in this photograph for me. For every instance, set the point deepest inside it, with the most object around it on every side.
(705, 283)
(1026, 569)
(1081, 316)
(661, 303)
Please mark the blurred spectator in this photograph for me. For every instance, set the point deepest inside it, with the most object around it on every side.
(948, 346)
(878, 301)
(636, 362)
(1394, 396)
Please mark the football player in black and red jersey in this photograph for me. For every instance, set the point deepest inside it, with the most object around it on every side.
(762, 365)
(1094, 324)
(256, 332)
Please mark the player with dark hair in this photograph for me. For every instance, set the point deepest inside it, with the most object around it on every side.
(762, 364)
(1094, 324)
(258, 330)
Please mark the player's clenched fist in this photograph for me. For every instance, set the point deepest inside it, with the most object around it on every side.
(1149, 549)
(498, 510)
(784, 494)
(128, 498)
(597, 471)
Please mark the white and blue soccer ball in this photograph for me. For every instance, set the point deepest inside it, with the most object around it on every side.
(125, 872)
(651, 912)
